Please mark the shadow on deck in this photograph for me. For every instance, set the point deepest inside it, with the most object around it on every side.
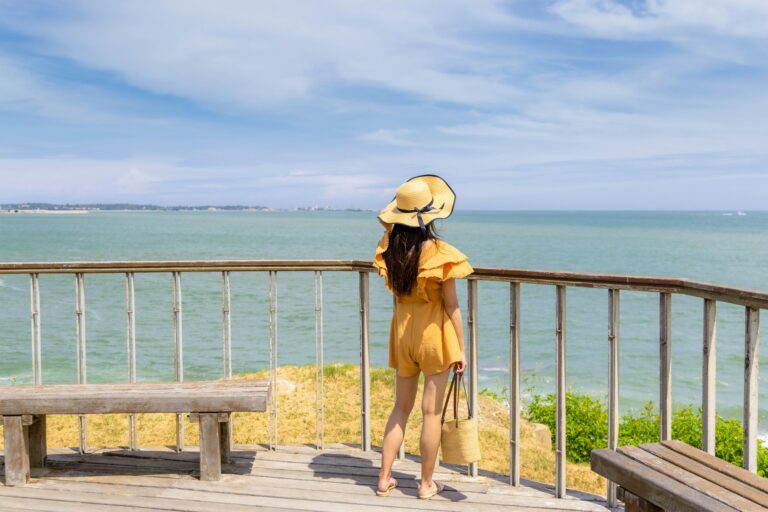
(341, 478)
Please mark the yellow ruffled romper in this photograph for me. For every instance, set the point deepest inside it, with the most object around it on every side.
(421, 335)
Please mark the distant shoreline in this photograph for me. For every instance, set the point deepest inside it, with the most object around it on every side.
(41, 211)
(50, 208)
(76, 208)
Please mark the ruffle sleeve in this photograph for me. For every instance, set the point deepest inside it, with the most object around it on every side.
(445, 262)
(440, 262)
(378, 259)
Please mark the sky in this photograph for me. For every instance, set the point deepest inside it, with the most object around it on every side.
(540, 104)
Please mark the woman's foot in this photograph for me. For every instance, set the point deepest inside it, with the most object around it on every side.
(385, 485)
(427, 491)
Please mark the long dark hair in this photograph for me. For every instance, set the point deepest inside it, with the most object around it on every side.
(402, 255)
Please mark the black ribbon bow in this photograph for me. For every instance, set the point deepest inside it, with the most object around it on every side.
(419, 211)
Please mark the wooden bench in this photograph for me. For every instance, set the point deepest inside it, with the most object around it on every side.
(24, 409)
(674, 476)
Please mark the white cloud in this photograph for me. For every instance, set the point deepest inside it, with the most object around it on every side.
(559, 132)
(135, 181)
(68, 179)
(394, 137)
(77, 179)
(24, 90)
(339, 101)
(247, 54)
(668, 18)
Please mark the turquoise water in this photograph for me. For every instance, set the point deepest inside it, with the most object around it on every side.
(711, 246)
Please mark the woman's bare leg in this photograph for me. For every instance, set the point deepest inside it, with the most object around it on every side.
(431, 408)
(395, 429)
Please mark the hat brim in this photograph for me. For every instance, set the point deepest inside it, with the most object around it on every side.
(443, 200)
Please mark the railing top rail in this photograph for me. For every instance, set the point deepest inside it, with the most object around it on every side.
(729, 294)
(179, 266)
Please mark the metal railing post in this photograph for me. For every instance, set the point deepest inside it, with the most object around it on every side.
(709, 377)
(178, 350)
(514, 384)
(130, 334)
(319, 364)
(273, 360)
(34, 309)
(226, 324)
(560, 338)
(226, 340)
(751, 381)
(665, 365)
(365, 371)
(472, 363)
(81, 354)
(613, 381)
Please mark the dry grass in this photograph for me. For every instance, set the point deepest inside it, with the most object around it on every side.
(296, 406)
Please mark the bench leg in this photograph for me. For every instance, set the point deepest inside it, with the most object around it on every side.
(634, 503)
(225, 442)
(210, 449)
(38, 446)
(16, 451)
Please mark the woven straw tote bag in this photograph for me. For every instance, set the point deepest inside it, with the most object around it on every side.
(459, 442)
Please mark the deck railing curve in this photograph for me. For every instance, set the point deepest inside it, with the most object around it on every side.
(666, 287)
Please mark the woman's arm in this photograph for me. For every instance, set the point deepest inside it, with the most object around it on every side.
(451, 303)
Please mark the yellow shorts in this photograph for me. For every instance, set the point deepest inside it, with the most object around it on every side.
(422, 338)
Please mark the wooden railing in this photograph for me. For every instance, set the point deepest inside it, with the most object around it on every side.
(666, 287)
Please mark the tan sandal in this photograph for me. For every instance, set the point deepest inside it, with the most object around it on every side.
(392, 485)
(438, 489)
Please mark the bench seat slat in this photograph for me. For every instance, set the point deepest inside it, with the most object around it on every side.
(232, 385)
(154, 397)
(706, 472)
(711, 489)
(720, 465)
(652, 485)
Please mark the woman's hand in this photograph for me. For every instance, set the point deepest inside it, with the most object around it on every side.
(461, 365)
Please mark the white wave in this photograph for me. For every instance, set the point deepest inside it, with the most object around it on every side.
(494, 369)
(4, 284)
(763, 438)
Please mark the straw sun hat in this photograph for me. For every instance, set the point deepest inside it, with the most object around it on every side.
(419, 201)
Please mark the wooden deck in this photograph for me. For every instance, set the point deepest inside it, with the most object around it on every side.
(339, 479)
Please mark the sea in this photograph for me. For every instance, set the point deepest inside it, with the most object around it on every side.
(729, 248)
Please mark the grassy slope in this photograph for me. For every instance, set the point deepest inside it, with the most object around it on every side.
(296, 406)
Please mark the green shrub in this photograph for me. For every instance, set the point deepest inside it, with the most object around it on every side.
(729, 442)
(586, 423)
(586, 428)
(639, 428)
(501, 396)
(762, 460)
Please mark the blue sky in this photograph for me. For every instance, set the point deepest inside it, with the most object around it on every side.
(561, 104)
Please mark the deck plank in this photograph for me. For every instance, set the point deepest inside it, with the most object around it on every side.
(351, 491)
(292, 478)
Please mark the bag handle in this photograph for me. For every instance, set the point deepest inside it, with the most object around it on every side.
(448, 399)
(456, 381)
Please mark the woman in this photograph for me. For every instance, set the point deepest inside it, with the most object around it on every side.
(426, 330)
